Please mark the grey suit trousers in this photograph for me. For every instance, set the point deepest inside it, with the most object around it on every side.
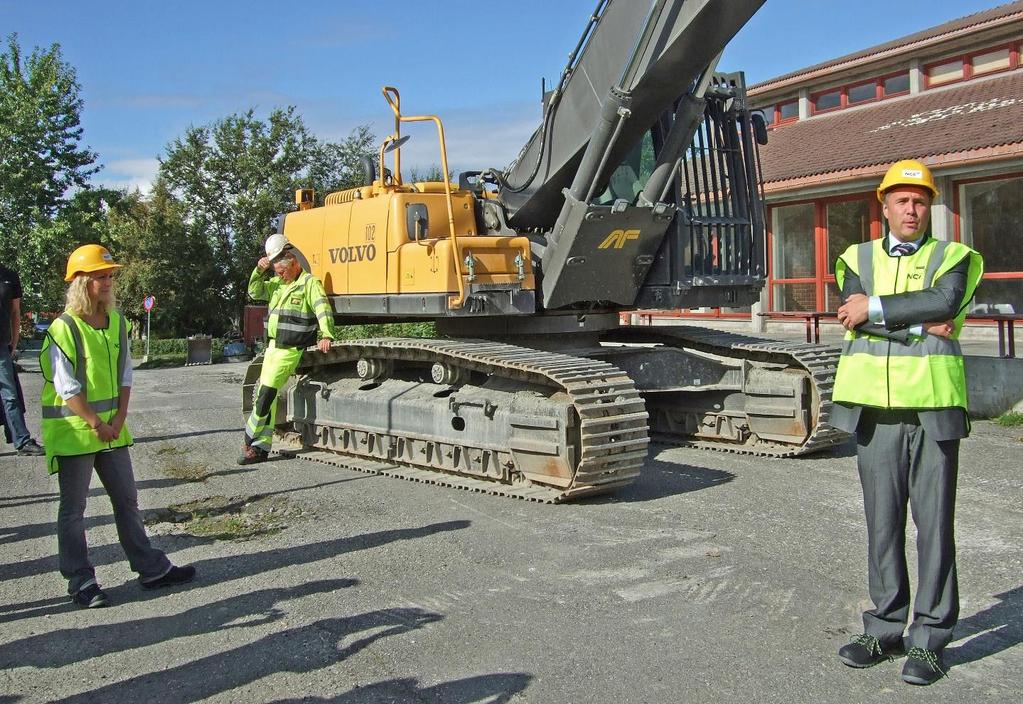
(900, 462)
(115, 472)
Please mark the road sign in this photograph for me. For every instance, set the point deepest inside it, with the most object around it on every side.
(148, 302)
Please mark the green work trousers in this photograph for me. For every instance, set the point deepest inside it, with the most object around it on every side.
(279, 363)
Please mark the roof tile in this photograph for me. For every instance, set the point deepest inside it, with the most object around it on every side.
(974, 115)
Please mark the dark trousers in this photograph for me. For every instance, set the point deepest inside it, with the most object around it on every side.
(114, 470)
(899, 464)
(10, 395)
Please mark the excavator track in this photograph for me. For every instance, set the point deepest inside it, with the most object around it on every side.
(612, 422)
(818, 362)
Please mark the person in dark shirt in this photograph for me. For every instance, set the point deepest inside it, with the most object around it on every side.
(11, 400)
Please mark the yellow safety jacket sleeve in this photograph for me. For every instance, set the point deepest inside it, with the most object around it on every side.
(262, 284)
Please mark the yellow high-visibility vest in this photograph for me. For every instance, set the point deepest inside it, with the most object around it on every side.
(97, 358)
(927, 372)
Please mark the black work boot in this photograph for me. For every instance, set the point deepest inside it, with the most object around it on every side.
(253, 455)
(866, 651)
(923, 667)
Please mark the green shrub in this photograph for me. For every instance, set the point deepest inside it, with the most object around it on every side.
(171, 348)
(176, 346)
(355, 332)
(1011, 419)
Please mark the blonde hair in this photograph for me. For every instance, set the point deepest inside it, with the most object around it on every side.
(77, 300)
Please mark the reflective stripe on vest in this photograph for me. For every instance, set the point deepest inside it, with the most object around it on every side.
(927, 372)
(98, 367)
(291, 324)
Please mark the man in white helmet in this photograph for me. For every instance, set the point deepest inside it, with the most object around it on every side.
(298, 313)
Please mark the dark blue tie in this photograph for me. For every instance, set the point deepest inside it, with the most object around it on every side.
(902, 249)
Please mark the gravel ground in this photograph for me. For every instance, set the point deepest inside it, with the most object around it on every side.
(714, 578)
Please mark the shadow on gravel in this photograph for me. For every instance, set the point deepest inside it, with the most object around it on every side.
(71, 645)
(1000, 627)
(660, 479)
(193, 434)
(32, 609)
(30, 531)
(223, 569)
(305, 649)
(493, 689)
(232, 567)
(27, 500)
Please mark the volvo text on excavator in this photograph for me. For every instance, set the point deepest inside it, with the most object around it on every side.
(640, 189)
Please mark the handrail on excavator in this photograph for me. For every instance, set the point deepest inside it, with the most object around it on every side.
(393, 99)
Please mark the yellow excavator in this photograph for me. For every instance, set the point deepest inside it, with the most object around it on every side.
(640, 189)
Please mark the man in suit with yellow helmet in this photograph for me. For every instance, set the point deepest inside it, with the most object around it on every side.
(901, 388)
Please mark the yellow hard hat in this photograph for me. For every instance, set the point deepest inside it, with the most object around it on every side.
(87, 259)
(908, 172)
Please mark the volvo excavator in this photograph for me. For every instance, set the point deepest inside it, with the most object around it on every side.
(640, 189)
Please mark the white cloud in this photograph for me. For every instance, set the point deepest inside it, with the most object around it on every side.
(487, 137)
(129, 174)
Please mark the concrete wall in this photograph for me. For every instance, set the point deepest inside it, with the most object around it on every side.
(995, 385)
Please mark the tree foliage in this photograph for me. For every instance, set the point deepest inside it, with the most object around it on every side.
(192, 240)
(234, 176)
(337, 166)
(163, 256)
(44, 169)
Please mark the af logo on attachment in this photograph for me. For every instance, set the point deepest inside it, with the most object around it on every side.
(618, 238)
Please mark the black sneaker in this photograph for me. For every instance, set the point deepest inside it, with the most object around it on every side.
(866, 651)
(90, 597)
(923, 667)
(175, 575)
(31, 448)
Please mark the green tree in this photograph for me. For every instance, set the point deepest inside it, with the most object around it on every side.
(164, 256)
(42, 162)
(337, 166)
(236, 175)
(233, 177)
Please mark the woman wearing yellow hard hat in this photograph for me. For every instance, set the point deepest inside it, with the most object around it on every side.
(87, 377)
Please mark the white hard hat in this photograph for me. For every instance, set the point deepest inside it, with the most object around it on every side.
(275, 246)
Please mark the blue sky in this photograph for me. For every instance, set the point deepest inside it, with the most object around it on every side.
(148, 70)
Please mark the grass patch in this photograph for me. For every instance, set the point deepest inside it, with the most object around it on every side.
(1011, 419)
(176, 465)
(224, 518)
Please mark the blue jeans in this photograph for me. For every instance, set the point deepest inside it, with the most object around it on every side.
(13, 416)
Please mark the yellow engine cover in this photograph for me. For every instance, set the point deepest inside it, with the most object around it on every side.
(359, 244)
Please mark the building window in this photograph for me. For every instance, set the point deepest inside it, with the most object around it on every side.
(988, 221)
(940, 74)
(895, 85)
(787, 111)
(793, 255)
(997, 60)
(806, 239)
(847, 223)
(862, 93)
(827, 101)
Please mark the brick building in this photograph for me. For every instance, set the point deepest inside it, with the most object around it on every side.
(951, 96)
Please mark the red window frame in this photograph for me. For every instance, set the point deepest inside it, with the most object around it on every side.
(967, 59)
(882, 79)
(957, 218)
(821, 277)
(842, 100)
(777, 113)
(876, 82)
